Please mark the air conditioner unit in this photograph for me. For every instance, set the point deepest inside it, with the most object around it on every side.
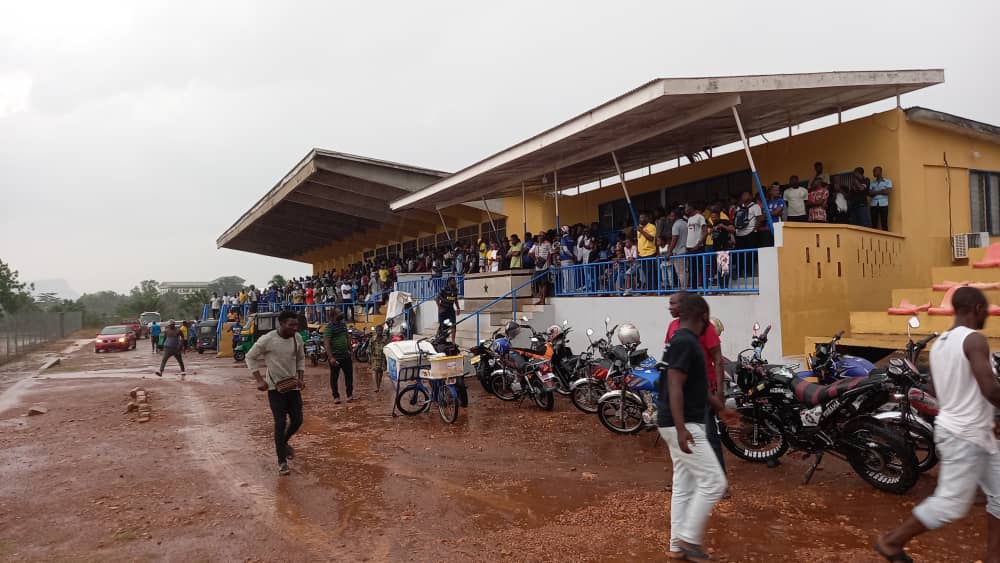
(960, 244)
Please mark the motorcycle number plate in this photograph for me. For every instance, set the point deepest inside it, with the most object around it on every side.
(547, 377)
(475, 360)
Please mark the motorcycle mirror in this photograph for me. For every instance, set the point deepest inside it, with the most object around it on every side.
(914, 322)
(590, 332)
(756, 327)
(524, 318)
(447, 322)
(565, 322)
(607, 320)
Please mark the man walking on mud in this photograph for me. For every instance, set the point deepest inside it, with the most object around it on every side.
(699, 481)
(172, 346)
(966, 431)
(283, 353)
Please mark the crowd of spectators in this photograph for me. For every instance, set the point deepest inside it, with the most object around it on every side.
(672, 233)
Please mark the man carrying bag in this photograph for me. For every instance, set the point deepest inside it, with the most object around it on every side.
(284, 356)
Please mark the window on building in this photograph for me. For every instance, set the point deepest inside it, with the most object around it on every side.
(409, 247)
(615, 215)
(381, 252)
(369, 254)
(425, 243)
(443, 241)
(984, 195)
(468, 235)
(501, 226)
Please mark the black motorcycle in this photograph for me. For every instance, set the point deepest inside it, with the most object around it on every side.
(315, 349)
(484, 359)
(780, 410)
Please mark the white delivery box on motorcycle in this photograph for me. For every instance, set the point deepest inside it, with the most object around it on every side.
(404, 355)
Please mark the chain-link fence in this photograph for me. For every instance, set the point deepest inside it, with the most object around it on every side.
(21, 331)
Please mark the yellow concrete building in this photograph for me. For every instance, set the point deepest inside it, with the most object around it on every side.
(945, 172)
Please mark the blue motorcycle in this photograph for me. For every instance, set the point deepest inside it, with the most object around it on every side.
(633, 407)
(827, 365)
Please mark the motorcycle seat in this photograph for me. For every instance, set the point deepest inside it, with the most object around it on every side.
(813, 394)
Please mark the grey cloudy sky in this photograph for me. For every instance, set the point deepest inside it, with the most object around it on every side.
(133, 133)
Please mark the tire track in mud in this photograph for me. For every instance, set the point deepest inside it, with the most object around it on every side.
(273, 507)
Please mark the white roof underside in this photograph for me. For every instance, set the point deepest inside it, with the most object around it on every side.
(662, 120)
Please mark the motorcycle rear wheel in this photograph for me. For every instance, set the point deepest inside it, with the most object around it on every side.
(882, 457)
(586, 395)
(922, 442)
(756, 440)
(610, 412)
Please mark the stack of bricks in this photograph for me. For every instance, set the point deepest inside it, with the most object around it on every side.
(140, 403)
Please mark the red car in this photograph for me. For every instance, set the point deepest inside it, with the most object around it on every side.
(114, 337)
(136, 326)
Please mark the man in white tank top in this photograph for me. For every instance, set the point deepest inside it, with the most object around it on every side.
(966, 431)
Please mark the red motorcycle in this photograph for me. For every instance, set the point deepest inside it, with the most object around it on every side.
(587, 391)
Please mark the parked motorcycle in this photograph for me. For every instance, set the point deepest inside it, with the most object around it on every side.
(827, 365)
(913, 407)
(586, 391)
(552, 345)
(484, 360)
(315, 349)
(632, 407)
(517, 377)
(361, 343)
(780, 410)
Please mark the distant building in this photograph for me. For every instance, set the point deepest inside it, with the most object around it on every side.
(183, 288)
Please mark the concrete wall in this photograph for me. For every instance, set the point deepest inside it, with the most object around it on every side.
(649, 314)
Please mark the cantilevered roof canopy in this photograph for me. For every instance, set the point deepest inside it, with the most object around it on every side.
(330, 196)
(662, 120)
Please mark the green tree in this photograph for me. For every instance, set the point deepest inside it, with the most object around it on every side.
(143, 297)
(227, 284)
(47, 300)
(278, 280)
(14, 294)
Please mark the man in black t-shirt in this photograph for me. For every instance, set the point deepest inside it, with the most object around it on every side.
(447, 302)
(699, 481)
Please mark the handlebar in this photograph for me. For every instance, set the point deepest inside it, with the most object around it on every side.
(763, 335)
(923, 343)
(836, 337)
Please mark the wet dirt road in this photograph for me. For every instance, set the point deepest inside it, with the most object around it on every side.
(507, 482)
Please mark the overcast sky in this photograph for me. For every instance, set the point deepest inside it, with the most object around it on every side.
(132, 134)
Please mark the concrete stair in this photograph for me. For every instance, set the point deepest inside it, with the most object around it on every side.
(878, 329)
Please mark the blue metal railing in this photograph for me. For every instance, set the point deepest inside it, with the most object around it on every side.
(733, 271)
(512, 294)
(429, 288)
(317, 313)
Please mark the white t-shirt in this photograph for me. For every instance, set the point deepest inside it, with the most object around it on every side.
(964, 411)
(345, 291)
(632, 252)
(795, 200)
(216, 303)
(695, 223)
(753, 212)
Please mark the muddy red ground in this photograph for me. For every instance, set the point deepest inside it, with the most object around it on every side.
(86, 482)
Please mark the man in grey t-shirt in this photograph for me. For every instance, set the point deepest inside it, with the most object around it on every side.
(678, 246)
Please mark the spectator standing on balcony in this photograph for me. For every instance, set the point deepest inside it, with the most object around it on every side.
(346, 298)
(584, 244)
(880, 189)
(662, 223)
(795, 201)
(697, 231)
(678, 247)
(567, 257)
(310, 301)
(747, 218)
(215, 304)
(516, 249)
(820, 175)
(776, 208)
(482, 254)
(816, 202)
(527, 257)
(543, 259)
(857, 199)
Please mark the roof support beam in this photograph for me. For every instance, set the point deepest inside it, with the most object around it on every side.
(722, 103)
